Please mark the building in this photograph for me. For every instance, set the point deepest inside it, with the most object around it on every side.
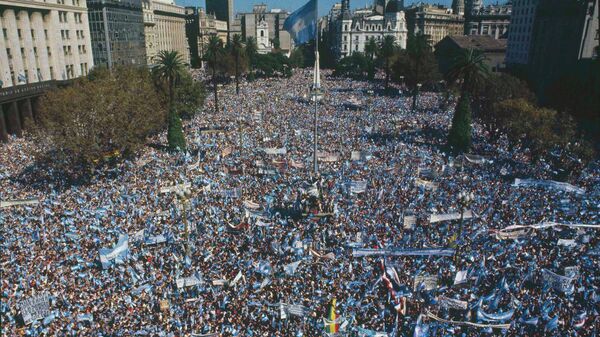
(520, 33)
(458, 7)
(41, 45)
(433, 21)
(492, 20)
(165, 29)
(493, 49)
(117, 32)
(199, 28)
(353, 30)
(564, 41)
(267, 26)
(192, 33)
(222, 10)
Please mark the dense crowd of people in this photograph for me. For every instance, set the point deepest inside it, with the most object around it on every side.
(261, 245)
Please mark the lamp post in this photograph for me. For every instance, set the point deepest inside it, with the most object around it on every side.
(183, 195)
(415, 99)
(465, 199)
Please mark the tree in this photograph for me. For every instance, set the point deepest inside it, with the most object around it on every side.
(417, 64)
(169, 68)
(386, 52)
(109, 115)
(251, 51)
(237, 48)
(469, 67)
(214, 52)
(354, 66)
(297, 58)
(371, 49)
(189, 97)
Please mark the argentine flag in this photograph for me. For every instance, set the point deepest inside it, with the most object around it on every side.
(302, 24)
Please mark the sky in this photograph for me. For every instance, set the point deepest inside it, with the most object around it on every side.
(291, 5)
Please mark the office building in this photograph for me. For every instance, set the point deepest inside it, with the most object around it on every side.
(433, 21)
(165, 29)
(521, 31)
(222, 10)
(117, 31)
(41, 44)
(492, 20)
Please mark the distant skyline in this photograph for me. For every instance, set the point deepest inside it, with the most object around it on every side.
(291, 5)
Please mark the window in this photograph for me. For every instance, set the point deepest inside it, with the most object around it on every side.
(33, 34)
(35, 51)
(19, 34)
(8, 53)
(51, 73)
(48, 51)
(46, 34)
(5, 33)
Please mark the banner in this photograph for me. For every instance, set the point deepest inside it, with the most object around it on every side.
(356, 156)
(565, 187)
(360, 252)
(477, 325)
(170, 189)
(461, 277)
(226, 151)
(233, 193)
(428, 185)
(499, 317)
(357, 187)
(35, 308)
(429, 282)
(451, 303)
(370, 333)
(567, 243)
(294, 309)
(274, 151)
(290, 269)
(513, 233)
(189, 281)
(117, 254)
(19, 202)
(409, 221)
(296, 164)
(154, 240)
(476, 159)
(450, 216)
(557, 282)
(251, 204)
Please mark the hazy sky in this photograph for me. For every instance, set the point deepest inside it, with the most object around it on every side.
(291, 5)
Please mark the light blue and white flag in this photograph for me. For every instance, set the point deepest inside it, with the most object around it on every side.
(117, 254)
(302, 24)
(290, 269)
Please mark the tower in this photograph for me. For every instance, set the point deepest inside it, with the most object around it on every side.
(458, 7)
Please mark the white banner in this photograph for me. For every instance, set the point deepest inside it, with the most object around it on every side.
(189, 281)
(451, 303)
(429, 282)
(35, 308)
(273, 150)
(450, 216)
(566, 187)
(409, 221)
(19, 202)
(170, 189)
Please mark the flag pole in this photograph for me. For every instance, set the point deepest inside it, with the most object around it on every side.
(316, 89)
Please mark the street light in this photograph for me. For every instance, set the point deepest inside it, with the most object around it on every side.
(415, 98)
(465, 199)
(183, 194)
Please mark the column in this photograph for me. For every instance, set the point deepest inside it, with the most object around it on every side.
(37, 23)
(4, 67)
(3, 131)
(26, 113)
(12, 119)
(10, 23)
(29, 58)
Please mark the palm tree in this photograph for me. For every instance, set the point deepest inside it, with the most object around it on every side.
(417, 50)
(214, 51)
(251, 51)
(237, 47)
(169, 67)
(468, 67)
(387, 50)
(370, 51)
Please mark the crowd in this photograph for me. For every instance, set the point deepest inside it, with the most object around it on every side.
(383, 229)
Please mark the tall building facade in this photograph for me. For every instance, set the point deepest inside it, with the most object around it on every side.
(521, 31)
(353, 30)
(165, 29)
(266, 25)
(433, 21)
(221, 9)
(492, 20)
(42, 41)
(41, 44)
(117, 31)
(564, 42)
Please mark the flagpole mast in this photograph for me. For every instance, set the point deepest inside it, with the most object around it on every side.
(316, 89)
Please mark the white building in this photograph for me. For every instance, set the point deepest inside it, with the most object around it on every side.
(262, 37)
(354, 30)
(164, 29)
(521, 31)
(43, 41)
